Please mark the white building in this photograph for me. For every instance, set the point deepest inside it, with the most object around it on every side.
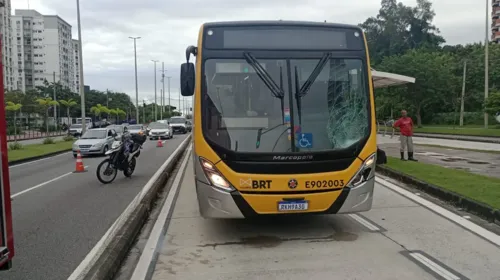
(44, 50)
(76, 44)
(9, 66)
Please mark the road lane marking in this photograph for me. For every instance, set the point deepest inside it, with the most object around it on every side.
(84, 267)
(42, 184)
(159, 228)
(480, 231)
(38, 160)
(433, 265)
(364, 222)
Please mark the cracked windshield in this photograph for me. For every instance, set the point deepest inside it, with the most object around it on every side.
(259, 140)
(247, 116)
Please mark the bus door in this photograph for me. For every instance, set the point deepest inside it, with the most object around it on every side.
(6, 238)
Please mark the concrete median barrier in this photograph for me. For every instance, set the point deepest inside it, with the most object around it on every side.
(105, 258)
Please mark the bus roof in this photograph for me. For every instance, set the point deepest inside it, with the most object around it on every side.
(279, 23)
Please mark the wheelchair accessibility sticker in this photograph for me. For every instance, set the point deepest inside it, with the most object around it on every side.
(304, 140)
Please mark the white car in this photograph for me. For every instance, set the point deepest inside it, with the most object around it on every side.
(160, 131)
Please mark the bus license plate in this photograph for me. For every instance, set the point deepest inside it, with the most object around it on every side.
(293, 205)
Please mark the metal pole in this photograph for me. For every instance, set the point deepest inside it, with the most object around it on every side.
(163, 84)
(486, 60)
(80, 62)
(169, 107)
(55, 98)
(156, 107)
(136, 85)
(161, 104)
(463, 95)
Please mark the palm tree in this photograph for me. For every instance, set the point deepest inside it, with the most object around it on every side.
(46, 103)
(14, 107)
(117, 113)
(68, 104)
(98, 110)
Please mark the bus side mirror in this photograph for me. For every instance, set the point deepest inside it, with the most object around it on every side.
(187, 79)
(381, 157)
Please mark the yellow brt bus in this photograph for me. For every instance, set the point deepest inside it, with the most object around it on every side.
(284, 118)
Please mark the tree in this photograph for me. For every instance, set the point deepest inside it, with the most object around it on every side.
(14, 107)
(68, 104)
(98, 110)
(46, 103)
(435, 83)
(117, 113)
(398, 28)
(492, 104)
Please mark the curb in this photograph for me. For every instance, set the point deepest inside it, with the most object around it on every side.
(489, 213)
(108, 259)
(25, 160)
(493, 140)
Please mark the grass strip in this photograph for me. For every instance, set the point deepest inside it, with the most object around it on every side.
(34, 150)
(474, 186)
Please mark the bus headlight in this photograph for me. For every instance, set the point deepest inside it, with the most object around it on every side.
(214, 177)
(364, 172)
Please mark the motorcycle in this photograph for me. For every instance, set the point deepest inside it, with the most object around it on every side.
(122, 157)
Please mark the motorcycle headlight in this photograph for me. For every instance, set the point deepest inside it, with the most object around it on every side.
(116, 144)
(364, 172)
(214, 176)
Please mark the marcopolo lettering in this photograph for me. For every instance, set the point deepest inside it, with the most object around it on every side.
(261, 184)
(306, 157)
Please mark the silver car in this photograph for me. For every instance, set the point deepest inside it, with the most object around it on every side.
(160, 131)
(95, 141)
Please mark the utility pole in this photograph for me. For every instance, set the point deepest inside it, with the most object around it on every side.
(163, 85)
(156, 107)
(180, 108)
(486, 82)
(136, 85)
(161, 104)
(80, 63)
(55, 98)
(169, 107)
(463, 95)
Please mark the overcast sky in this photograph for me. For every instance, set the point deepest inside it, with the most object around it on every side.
(168, 26)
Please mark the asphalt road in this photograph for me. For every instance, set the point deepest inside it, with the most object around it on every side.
(59, 216)
(404, 236)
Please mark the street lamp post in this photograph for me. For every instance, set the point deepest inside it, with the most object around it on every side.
(169, 106)
(156, 107)
(136, 85)
(80, 62)
(486, 60)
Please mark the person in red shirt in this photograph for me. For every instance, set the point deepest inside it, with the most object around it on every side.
(405, 125)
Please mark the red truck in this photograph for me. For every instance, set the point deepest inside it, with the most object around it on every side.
(6, 238)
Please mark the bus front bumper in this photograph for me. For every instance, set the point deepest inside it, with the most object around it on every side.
(214, 203)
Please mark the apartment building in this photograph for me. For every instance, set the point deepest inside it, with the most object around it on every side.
(44, 50)
(9, 67)
(495, 21)
(76, 58)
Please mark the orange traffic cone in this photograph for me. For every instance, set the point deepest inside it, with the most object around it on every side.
(79, 163)
(159, 144)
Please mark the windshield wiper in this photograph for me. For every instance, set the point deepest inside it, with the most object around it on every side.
(276, 90)
(299, 93)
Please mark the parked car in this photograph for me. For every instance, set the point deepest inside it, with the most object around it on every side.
(160, 131)
(96, 141)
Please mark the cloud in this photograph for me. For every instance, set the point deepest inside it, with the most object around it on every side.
(167, 27)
